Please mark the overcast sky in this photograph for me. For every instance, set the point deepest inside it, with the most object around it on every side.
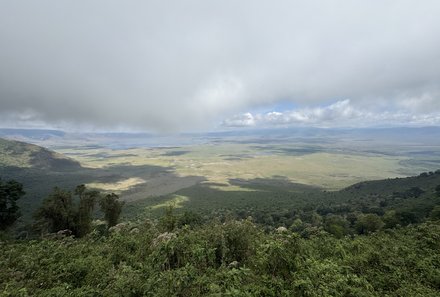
(201, 65)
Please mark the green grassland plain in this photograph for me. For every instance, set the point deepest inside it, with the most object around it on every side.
(185, 176)
(217, 164)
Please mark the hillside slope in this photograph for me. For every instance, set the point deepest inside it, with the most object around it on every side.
(271, 204)
(24, 155)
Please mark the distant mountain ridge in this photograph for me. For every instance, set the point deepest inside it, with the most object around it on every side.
(24, 155)
(38, 134)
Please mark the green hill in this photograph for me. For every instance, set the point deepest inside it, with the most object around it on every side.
(39, 170)
(24, 155)
(396, 201)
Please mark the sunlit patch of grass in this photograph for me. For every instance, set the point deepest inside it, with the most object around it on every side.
(122, 185)
(231, 188)
(176, 201)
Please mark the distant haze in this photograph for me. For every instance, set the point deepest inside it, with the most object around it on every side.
(202, 65)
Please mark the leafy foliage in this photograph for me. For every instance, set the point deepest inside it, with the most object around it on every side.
(235, 258)
(111, 207)
(87, 200)
(10, 192)
(368, 223)
(57, 211)
(60, 212)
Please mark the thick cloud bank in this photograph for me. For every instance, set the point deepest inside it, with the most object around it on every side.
(167, 65)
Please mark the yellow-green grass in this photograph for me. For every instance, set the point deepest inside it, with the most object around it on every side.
(230, 188)
(176, 201)
(119, 186)
(330, 171)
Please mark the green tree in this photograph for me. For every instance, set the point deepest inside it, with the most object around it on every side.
(297, 225)
(111, 207)
(390, 219)
(58, 212)
(189, 218)
(336, 225)
(368, 223)
(87, 200)
(168, 222)
(10, 192)
(406, 217)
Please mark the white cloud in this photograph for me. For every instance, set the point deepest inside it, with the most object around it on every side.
(177, 65)
(240, 120)
(339, 114)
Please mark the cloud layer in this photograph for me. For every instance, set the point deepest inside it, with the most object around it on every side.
(170, 65)
(339, 114)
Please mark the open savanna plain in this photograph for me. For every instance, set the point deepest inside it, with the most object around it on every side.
(218, 164)
(246, 174)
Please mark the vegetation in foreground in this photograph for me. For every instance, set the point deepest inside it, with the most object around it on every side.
(234, 258)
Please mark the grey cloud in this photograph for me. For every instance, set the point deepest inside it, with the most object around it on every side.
(167, 65)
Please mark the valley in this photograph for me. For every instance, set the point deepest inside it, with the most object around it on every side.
(234, 168)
